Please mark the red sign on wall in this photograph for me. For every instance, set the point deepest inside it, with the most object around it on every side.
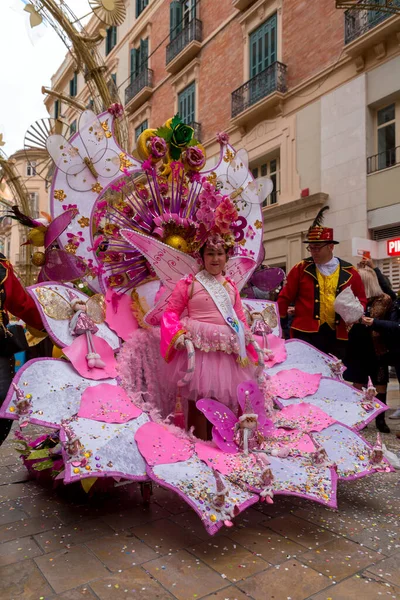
(393, 247)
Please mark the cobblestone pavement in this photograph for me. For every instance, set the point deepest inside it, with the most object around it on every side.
(61, 544)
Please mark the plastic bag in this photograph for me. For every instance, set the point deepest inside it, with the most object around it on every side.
(348, 306)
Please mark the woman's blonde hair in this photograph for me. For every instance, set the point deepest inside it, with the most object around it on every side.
(371, 283)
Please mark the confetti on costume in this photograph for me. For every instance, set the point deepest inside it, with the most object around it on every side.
(148, 220)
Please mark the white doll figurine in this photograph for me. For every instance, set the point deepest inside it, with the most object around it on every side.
(81, 324)
(247, 435)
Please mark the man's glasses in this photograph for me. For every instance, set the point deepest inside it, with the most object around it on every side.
(316, 248)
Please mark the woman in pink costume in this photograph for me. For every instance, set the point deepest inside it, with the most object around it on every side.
(207, 309)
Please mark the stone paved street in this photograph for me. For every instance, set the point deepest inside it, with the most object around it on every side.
(60, 544)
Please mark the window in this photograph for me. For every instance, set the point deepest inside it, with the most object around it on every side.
(111, 39)
(263, 46)
(114, 78)
(140, 6)
(182, 12)
(186, 104)
(140, 129)
(386, 136)
(269, 169)
(139, 59)
(34, 204)
(31, 168)
(57, 108)
(73, 85)
(72, 127)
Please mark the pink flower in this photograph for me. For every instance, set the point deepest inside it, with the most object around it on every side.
(158, 147)
(250, 233)
(222, 138)
(116, 110)
(147, 166)
(225, 215)
(194, 158)
(69, 206)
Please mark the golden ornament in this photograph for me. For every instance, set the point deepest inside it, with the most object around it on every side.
(36, 236)
(141, 144)
(38, 259)
(177, 242)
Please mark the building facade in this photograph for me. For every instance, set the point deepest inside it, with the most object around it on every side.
(311, 92)
(12, 234)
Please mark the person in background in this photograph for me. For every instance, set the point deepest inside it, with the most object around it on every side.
(312, 286)
(13, 299)
(367, 354)
(384, 281)
(389, 330)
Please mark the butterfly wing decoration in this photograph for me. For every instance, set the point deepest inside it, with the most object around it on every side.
(94, 135)
(96, 308)
(169, 264)
(239, 269)
(53, 304)
(89, 157)
(268, 279)
(58, 226)
(223, 420)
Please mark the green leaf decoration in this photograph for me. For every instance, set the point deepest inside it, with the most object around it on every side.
(39, 454)
(175, 152)
(193, 142)
(42, 466)
(164, 132)
(176, 120)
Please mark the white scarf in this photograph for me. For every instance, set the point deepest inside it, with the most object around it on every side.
(223, 302)
(329, 267)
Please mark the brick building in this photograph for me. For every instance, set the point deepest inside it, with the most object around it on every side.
(312, 93)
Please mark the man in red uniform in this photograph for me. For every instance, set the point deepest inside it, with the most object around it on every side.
(17, 301)
(312, 286)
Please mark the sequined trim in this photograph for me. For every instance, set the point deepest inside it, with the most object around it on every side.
(172, 344)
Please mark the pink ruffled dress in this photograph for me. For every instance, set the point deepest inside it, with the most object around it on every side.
(191, 311)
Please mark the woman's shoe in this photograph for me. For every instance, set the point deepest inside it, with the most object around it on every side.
(396, 414)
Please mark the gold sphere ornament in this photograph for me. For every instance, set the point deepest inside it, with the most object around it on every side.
(177, 242)
(38, 259)
(36, 236)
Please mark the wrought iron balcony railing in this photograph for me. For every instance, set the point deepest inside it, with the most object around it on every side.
(383, 160)
(142, 80)
(272, 79)
(197, 130)
(192, 32)
(358, 21)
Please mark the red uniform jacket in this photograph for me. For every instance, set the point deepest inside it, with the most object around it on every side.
(302, 290)
(17, 300)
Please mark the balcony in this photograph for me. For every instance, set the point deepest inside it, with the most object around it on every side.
(5, 224)
(383, 160)
(242, 4)
(264, 91)
(139, 90)
(383, 181)
(185, 46)
(197, 130)
(366, 28)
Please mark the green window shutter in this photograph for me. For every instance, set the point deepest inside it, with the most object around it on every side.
(73, 85)
(187, 103)
(143, 54)
(263, 44)
(72, 127)
(57, 108)
(134, 63)
(114, 78)
(175, 19)
(113, 36)
(140, 6)
(140, 129)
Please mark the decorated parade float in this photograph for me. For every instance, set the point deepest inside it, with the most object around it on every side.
(130, 231)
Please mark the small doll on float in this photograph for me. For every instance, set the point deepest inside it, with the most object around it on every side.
(226, 353)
